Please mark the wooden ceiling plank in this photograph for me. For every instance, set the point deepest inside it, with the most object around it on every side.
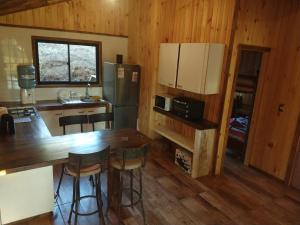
(12, 6)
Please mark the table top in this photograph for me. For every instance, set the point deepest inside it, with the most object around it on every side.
(23, 154)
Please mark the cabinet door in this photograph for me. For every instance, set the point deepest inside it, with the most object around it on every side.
(51, 119)
(214, 68)
(192, 67)
(100, 125)
(168, 60)
(73, 129)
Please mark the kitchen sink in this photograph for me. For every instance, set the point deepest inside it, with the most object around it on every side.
(88, 100)
(70, 101)
(79, 101)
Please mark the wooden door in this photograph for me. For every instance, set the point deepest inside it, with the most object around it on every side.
(192, 67)
(273, 122)
(168, 59)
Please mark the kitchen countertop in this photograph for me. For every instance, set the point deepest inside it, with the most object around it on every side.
(35, 129)
(33, 146)
(19, 154)
(55, 105)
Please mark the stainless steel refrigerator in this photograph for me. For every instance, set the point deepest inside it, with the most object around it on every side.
(121, 85)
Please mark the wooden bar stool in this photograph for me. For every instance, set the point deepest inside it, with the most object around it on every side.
(73, 120)
(102, 117)
(82, 165)
(66, 121)
(129, 160)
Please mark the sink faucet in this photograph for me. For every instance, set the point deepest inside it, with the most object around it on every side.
(87, 90)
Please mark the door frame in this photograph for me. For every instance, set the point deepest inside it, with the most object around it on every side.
(294, 154)
(231, 89)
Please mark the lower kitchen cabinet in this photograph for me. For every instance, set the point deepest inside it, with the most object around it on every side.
(73, 129)
(99, 125)
(51, 118)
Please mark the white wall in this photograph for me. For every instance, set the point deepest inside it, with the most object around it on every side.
(16, 48)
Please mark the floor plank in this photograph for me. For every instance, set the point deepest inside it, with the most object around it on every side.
(241, 196)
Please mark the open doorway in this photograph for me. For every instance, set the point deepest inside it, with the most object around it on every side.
(249, 65)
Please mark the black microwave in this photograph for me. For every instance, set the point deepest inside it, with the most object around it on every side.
(188, 108)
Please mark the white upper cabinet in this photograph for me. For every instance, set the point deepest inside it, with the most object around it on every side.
(197, 67)
(200, 67)
(168, 60)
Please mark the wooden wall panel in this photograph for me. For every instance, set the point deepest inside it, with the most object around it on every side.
(94, 16)
(267, 23)
(175, 21)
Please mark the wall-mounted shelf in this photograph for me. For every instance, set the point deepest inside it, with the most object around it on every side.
(199, 125)
(200, 142)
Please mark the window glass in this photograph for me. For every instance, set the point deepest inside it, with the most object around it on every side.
(53, 62)
(83, 63)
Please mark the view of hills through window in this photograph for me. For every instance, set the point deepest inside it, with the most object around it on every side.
(66, 62)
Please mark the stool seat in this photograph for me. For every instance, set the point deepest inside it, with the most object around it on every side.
(87, 171)
(128, 160)
(129, 164)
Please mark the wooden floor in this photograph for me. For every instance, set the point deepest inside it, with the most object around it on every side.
(240, 196)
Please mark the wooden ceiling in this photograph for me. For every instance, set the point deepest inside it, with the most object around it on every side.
(12, 6)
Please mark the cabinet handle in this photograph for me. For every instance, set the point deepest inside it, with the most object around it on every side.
(58, 114)
(91, 111)
(81, 112)
(179, 86)
(170, 84)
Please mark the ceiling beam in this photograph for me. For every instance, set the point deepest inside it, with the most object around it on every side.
(12, 6)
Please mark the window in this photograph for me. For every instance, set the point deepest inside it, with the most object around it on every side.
(63, 61)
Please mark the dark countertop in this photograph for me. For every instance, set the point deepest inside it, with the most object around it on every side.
(29, 153)
(33, 146)
(55, 105)
(199, 125)
(32, 130)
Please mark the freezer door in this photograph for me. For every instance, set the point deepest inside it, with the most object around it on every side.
(125, 117)
(127, 85)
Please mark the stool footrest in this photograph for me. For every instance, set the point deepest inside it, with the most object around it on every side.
(136, 201)
(90, 213)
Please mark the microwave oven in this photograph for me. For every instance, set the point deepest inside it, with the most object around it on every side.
(163, 102)
(188, 108)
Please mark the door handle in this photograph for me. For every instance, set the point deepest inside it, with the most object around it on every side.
(179, 86)
(280, 109)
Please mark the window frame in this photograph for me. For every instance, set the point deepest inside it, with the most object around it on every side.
(97, 44)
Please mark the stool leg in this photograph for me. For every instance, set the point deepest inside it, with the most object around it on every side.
(120, 198)
(131, 187)
(141, 196)
(77, 199)
(60, 179)
(73, 200)
(99, 197)
(91, 179)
